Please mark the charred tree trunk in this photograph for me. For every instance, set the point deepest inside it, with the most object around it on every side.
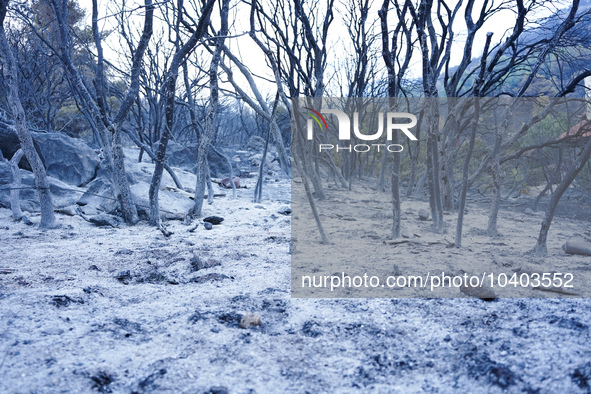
(15, 188)
(473, 128)
(557, 195)
(210, 118)
(20, 124)
(496, 178)
(169, 97)
(258, 190)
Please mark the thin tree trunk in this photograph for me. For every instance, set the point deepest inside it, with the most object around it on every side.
(146, 148)
(169, 96)
(420, 184)
(431, 181)
(15, 188)
(492, 230)
(20, 124)
(263, 110)
(474, 127)
(210, 118)
(395, 191)
(302, 173)
(555, 178)
(230, 169)
(210, 191)
(557, 195)
(258, 190)
(465, 173)
(382, 179)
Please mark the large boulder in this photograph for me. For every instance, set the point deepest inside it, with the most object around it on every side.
(98, 197)
(9, 144)
(63, 194)
(67, 159)
(185, 157)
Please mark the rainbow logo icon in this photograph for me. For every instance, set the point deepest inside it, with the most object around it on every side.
(316, 115)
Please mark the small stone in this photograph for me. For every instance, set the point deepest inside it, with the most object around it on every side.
(124, 251)
(484, 292)
(198, 264)
(284, 210)
(259, 207)
(213, 277)
(424, 215)
(213, 220)
(93, 268)
(208, 226)
(69, 210)
(405, 233)
(529, 212)
(123, 277)
(104, 220)
(250, 320)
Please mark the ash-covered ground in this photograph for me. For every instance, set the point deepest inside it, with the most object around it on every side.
(123, 310)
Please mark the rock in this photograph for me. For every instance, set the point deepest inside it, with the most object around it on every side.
(284, 210)
(213, 220)
(67, 159)
(101, 382)
(185, 157)
(93, 268)
(208, 226)
(250, 320)
(63, 194)
(484, 292)
(198, 264)
(213, 277)
(259, 207)
(255, 143)
(581, 376)
(225, 183)
(271, 163)
(132, 172)
(143, 213)
(405, 233)
(99, 196)
(123, 277)
(124, 251)
(70, 210)
(230, 319)
(104, 219)
(424, 215)
(529, 212)
(64, 301)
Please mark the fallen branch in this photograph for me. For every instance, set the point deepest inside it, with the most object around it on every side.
(164, 231)
(577, 247)
(559, 290)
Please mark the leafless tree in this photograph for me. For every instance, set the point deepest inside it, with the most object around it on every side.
(169, 93)
(10, 69)
(210, 118)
